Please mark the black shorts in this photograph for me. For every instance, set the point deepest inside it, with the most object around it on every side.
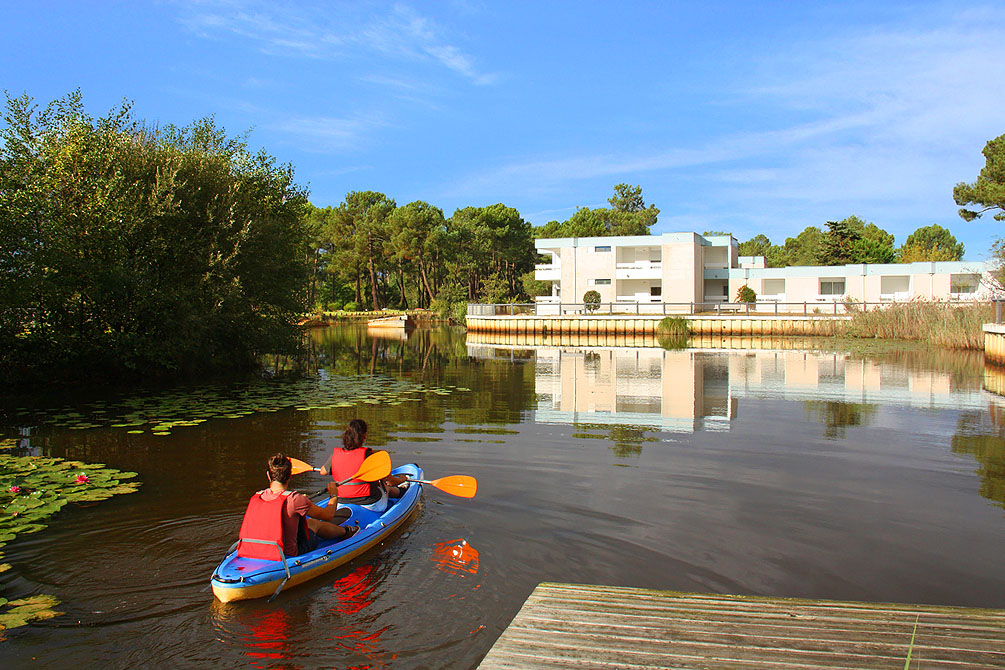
(306, 542)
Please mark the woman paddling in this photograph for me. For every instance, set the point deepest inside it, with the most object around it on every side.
(345, 462)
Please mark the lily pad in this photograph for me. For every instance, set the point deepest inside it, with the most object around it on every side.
(21, 612)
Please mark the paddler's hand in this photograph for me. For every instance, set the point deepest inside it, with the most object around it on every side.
(332, 492)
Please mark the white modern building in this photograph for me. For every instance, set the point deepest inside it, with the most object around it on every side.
(687, 268)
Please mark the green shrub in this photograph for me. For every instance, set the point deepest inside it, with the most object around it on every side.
(351, 306)
(591, 299)
(333, 306)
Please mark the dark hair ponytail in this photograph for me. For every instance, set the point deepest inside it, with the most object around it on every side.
(353, 436)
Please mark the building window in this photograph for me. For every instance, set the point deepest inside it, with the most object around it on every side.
(773, 287)
(601, 249)
(963, 283)
(655, 291)
(893, 284)
(832, 287)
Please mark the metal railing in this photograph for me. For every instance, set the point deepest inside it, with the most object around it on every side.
(820, 307)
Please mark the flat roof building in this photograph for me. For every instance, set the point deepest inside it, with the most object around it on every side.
(688, 268)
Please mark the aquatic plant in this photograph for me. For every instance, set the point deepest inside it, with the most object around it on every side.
(673, 332)
(942, 323)
(162, 413)
(32, 489)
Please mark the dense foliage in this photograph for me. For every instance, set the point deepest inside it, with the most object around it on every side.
(131, 250)
(931, 243)
(852, 240)
(370, 252)
(628, 215)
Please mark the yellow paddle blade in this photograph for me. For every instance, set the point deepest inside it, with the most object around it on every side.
(376, 466)
(464, 486)
(299, 466)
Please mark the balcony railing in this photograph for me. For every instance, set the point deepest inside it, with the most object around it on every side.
(547, 272)
(640, 265)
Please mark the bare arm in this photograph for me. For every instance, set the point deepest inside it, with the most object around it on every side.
(326, 513)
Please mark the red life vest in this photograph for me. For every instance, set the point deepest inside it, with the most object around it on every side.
(263, 520)
(345, 463)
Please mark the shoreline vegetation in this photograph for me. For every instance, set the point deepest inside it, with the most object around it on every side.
(942, 324)
(134, 252)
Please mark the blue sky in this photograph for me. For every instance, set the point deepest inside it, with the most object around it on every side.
(736, 116)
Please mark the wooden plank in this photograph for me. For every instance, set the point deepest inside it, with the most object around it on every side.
(583, 626)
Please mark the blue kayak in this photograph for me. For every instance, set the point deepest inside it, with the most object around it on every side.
(238, 578)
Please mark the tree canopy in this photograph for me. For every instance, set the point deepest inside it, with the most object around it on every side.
(853, 240)
(135, 250)
(628, 215)
(377, 254)
(988, 192)
(931, 243)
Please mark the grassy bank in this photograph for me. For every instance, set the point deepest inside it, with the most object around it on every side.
(939, 323)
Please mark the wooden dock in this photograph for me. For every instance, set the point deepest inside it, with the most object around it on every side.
(577, 626)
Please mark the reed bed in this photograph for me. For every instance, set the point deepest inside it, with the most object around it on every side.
(672, 332)
(944, 324)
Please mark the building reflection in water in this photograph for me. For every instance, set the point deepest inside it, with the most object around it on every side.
(698, 389)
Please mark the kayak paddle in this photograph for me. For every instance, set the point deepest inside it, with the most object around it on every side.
(376, 466)
(464, 486)
(299, 466)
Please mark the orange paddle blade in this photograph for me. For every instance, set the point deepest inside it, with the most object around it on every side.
(464, 486)
(299, 466)
(376, 466)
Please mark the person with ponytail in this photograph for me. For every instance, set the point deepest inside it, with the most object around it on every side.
(345, 462)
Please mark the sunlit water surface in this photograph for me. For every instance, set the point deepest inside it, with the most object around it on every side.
(778, 470)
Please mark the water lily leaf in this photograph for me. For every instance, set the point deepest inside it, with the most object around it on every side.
(32, 604)
(8, 621)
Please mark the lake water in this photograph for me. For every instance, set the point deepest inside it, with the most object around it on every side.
(779, 469)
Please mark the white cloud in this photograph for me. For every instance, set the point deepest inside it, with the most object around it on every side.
(335, 33)
(890, 119)
(327, 133)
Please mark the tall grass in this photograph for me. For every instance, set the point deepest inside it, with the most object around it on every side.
(672, 332)
(946, 325)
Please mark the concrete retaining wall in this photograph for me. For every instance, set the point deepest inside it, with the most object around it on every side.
(994, 343)
(754, 326)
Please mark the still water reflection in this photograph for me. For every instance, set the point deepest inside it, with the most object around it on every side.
(754, 467)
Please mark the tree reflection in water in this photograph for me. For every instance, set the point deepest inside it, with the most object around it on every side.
(837, 415)
(982, 435)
